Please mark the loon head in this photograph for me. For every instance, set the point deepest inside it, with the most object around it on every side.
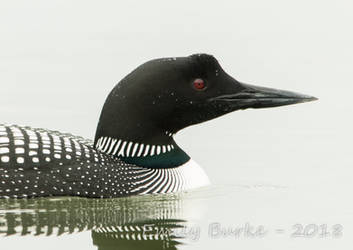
(163, 96)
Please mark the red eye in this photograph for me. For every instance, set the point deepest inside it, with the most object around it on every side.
(199, 84)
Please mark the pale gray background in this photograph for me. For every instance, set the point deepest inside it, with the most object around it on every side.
(59, 60)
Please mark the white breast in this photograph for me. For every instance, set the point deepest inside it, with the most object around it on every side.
(192, 175)
(185, 177)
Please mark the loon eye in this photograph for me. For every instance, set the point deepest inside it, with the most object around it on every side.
(199, 84)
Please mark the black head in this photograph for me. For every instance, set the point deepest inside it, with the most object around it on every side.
(169, 94)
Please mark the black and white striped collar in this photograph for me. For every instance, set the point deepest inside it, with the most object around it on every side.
(125, 148)
(142, 154)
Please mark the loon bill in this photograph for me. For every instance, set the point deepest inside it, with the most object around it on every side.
(133, 151)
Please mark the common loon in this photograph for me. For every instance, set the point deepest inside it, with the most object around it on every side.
(133, 151)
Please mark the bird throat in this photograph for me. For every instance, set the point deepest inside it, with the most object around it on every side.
(149, 155)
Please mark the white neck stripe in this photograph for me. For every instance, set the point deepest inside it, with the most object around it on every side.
(130, 149)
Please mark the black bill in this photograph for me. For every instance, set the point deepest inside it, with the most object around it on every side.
(260, 97)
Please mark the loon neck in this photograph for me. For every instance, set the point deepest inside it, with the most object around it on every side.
(164, 153)
(133, 134)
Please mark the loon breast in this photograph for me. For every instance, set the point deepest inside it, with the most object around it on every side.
(38, 162)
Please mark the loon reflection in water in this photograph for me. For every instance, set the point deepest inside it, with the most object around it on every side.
(125, 223)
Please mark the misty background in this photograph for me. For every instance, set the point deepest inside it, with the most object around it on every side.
(60, 59)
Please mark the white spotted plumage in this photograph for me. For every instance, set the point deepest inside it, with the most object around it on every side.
(72, 166)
